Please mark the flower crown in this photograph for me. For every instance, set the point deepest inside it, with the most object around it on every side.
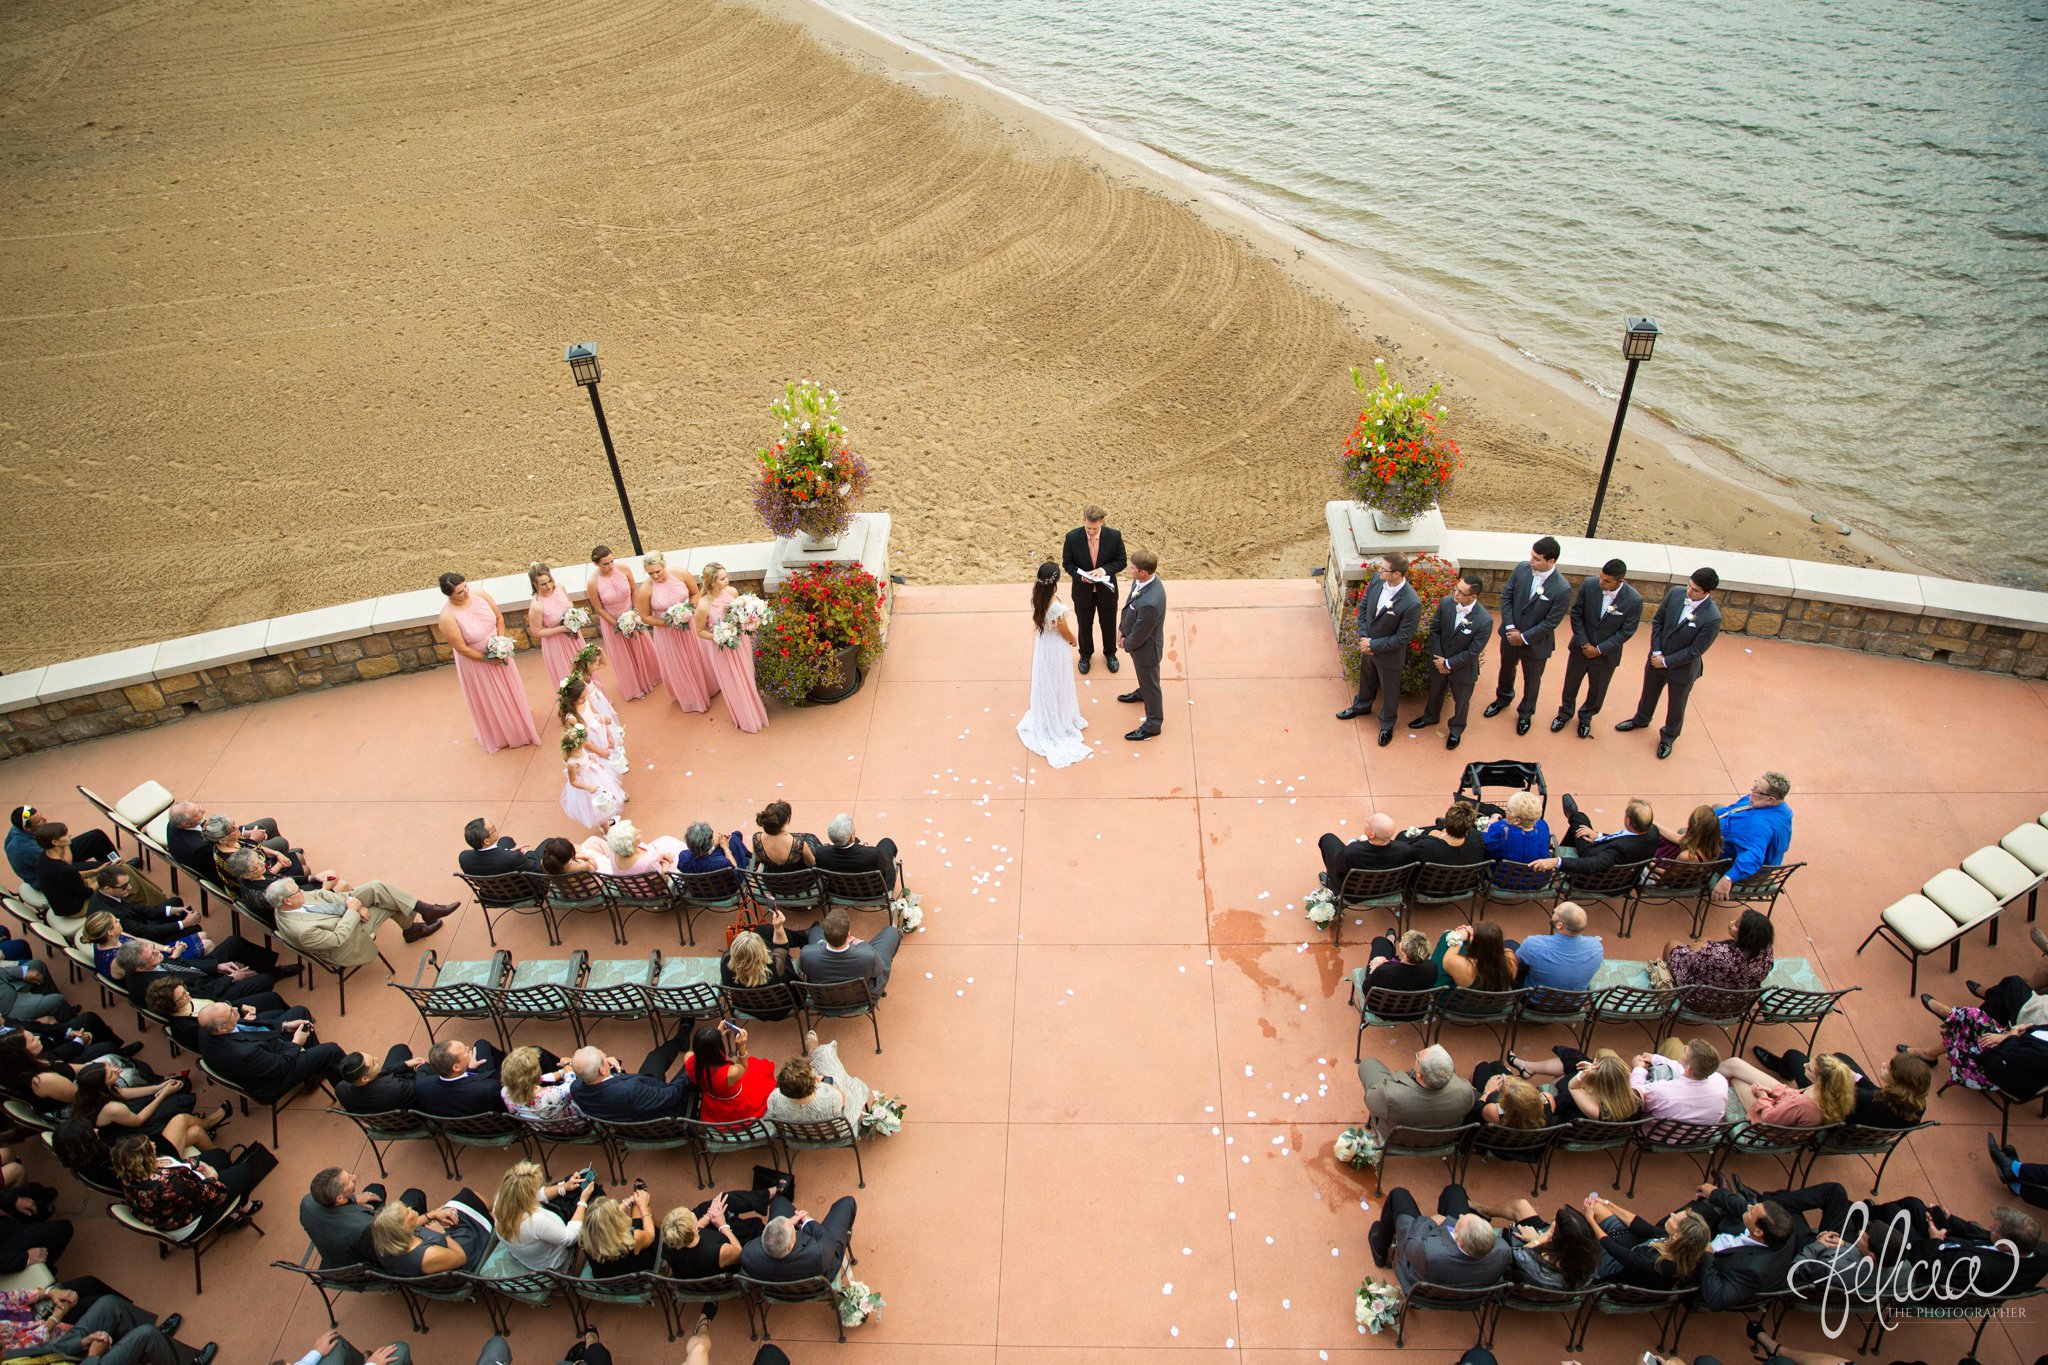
(573, 737)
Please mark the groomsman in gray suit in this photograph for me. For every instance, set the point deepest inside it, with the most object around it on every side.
(1605, 613)
(1457, 642)
(1387, 617)
(1680, 635)
(1141, 631)
(1535, 600)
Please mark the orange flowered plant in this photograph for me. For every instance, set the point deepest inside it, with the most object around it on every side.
(1397, 460)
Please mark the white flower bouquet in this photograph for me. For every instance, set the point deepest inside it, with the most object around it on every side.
(498, 649)
(1359, 1148)
(1320, 905)
(677, 617)
(747, 612)
(907, 911)
(630, 624)
(726, 635)
(857, 1303)
(1379, 1306)
(884, 1117)
(576, 620)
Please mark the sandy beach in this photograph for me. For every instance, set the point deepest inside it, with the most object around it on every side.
(288, 289)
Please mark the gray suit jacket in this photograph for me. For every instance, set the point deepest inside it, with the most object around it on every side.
(1684, 642)
(1425, 1250)
(1386, 623)
(341, 1235)
(1534, 613)
(1461, 649)
(821, 965)
(1609, 630)
(1396, 1098)
(1143, 614)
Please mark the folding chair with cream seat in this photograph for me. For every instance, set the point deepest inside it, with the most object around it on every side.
(1924, 923)
(2028, 843)
(133, 811)
(2006, 877)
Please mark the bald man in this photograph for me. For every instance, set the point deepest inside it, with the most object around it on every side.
(1378, 849)
(268, 1063)
(1566, 958)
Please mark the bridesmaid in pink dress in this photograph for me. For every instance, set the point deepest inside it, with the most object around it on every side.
(497, 704)
(734, 668)
(683, 668)
(610, 593)
(558, 644)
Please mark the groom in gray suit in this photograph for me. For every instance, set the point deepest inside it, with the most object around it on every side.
(1141, 631)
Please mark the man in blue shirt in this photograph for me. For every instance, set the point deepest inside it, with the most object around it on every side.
(1757, 830)
(1564, 960)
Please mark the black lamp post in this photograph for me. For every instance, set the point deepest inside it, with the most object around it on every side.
(1637, 342)
(582, 360)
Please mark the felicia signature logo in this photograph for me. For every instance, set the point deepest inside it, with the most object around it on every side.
(1884, 1276)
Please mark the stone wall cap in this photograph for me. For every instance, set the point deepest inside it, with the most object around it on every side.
(750, 561)
(228, 645)
(321, 626)
(511, 591)
(1859, 587)
(100, 673)
(400, 610)
(1739, 572)
(21, 690)
(1648, 565)
(1487, 549)
(1985, 602)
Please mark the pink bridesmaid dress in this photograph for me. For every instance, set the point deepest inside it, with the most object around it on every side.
(497, 704)
(632, 660)
(558, 652)
(734, 669)
(683, 668)
(580, 805)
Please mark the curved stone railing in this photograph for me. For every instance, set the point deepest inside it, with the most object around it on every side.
(133, 689)
(1914, 616)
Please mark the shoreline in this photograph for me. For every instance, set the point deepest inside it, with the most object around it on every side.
(1349, 278)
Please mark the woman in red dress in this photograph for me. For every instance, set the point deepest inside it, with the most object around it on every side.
(735, 1087)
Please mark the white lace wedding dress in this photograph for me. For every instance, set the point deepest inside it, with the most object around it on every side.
(1052, 727)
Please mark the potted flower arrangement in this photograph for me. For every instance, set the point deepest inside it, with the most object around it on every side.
(1433, 577)
(825, 630)
(810, 477)
(1396, 462)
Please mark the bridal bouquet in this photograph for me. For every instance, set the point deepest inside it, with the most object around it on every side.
(1379, 1306)
(884, 1117)
(747, 612)
(1320, 905)
(498, 649)
(726, 635)
(677, 617)
(630, 624)
(576, 620)
(857, 1303)
(1359, 1148)
(907, 912)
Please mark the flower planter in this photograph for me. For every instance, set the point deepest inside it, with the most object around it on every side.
(1391, 525)
(842, 681)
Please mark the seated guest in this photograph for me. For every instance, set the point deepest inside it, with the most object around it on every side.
(60, 872)
(1433, 1095)
(702, 852)
(1701, 842)
(1692, 1090)
(382, 1087)
(843, 852)
(1896, 1097)
(1757, 829)
(168, 1000)
(266, 1063)
(166, 1192)
(532, 1093)
(1452, 842)
(339, 927)
(1507, 1100)
(491, 854)
(112, 900)
(1378, 850)
(1457, 1248)
(228, 839)
(777, 848)
(734, 1087)
(2019, 1001)
(461, 1079)
(540, 1222)
(166, 922)
(1476, 957)
(1634, 842)
(104, 935)
(1829, 1098)
(1561, 1254)
(816, 1088)
(707, 1240)
(1755, 1241)
(753, 963)
(140, 964)
(2017, 1266)
(560, 858)
(412, 1245)
(1646, 1255)
(605, 1090)
(111, 1329)
(1565, 959)
(1739, 962)
(1598, 1087)
(618, 1235)
(795, 1246)
(27, 995)
(1522, 835)
(191, 847)
(87, 848)
(102, 1097)
(834, 955)
(1408, 969)
(29, 1072)
(81, 1038)
(1983, 1056)
(337, 1216)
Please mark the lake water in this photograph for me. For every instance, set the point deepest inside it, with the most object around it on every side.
(1838, 213)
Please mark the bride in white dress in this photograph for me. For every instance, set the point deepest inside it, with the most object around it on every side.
(1052, 727)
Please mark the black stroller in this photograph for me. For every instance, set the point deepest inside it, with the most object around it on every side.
(1505, 777)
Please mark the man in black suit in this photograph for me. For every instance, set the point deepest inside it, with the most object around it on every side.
(193, 851)
(1388, 616)
(1635, 842)
(1605, 613)
(1141, 631)
(795, 1246)
(115, 894)
(266, 1062)
(604, 1089)
(1457, 642)
(385, 1088)
(460, 1080)
(1755, 1242)
(337, 1216)
(1378, 849)
(1681, 633)
(1093, 556)
(1535, 599)
(140, 964)
(491, 855)
(843, 852)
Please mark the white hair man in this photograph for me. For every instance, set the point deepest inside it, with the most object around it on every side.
(1433, 1095)
(795, 1246)
(339, 928)
(1457, 1247)
(844, 852)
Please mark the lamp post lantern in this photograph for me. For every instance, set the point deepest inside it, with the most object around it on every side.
(1638, 340)
(582, 359)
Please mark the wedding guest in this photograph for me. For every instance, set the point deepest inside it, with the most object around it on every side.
(26, 994)
(532, 1093)
(413, 1245)
(1648, 1255)
(1457, 642)
(1387, 617)
(1983, 1056)
(265, 1062)
(339, 928)
(777, 848)
(1431, 1095)
(1599, 1086)
(1451, 843)
(1739, 962)
(382, 1087)
(1634, 842)
(795, 1246)
(734, 1219)
(1533, 601)
(1681, 633)
(498, 711)
(815, 1087)
(732, 668)
(168, 999)
(60, 874)
(843, 851)
(544, 623)
(1565, 959)
(140, 964)
(1562, 1254)
(1829, 1097)
(1701, 841)
(560, 858)
(1509, 1101)
(591, 791)
(114, 1111)
(682, 666)
(113, 897)
(1378, 850)
(1092, 556)
(336, 1216)
(538, 1222)
(756, 964)
(1757, 827)
(491, 854)
(88, 847)
(461, 1079)
(1697, 1092)
(166, 1192)
(1605, 614)
(734, 1085)
(1403, 967)
(618, 1235)
(1894, 1097)
(605, 1090)
(2018, 1001)
(833, 954)
(610, 592)
(1522, 835)
(31, 1072)
(702, 853)
(191, 846)
(621, 852)
(1476, 957)
(1457, 1248)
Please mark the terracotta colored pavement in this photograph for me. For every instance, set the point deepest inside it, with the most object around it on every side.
(1123, 1052)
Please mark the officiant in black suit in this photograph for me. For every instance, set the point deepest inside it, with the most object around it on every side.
(1605, 614)
(1388, 616)
(1457, 642)
(1090, 547)
(1142, 633)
